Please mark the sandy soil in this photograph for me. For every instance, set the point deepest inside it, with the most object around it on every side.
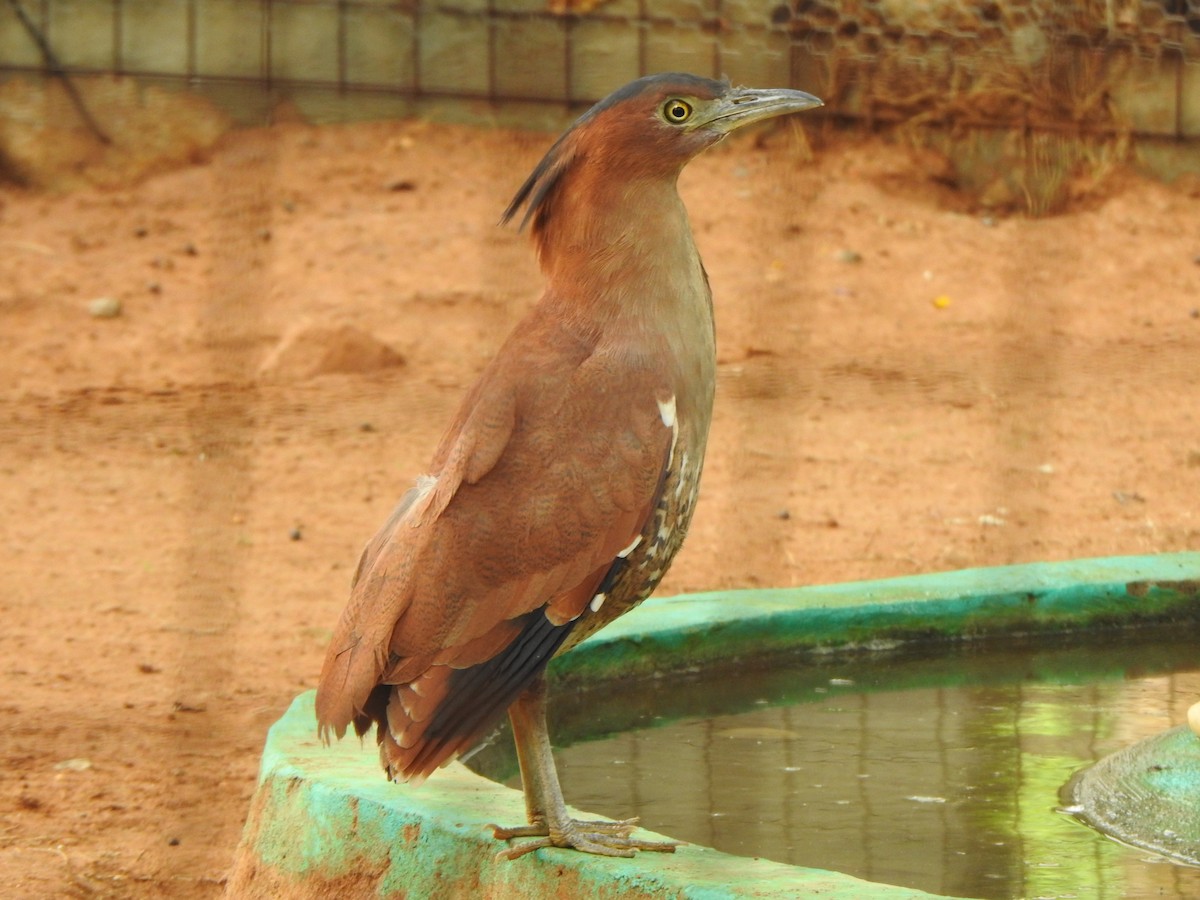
(905, 386)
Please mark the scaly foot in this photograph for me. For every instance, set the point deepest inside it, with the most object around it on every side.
(590, 836)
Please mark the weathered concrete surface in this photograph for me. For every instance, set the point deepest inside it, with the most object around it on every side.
(1146, 795)
(324, 823)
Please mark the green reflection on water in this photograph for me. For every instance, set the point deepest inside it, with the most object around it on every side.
(940, 773)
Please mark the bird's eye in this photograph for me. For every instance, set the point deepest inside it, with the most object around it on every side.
(677, 111)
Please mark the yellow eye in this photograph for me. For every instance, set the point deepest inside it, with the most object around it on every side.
(677, 111)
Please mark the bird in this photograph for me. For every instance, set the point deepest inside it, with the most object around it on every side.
(564, 485)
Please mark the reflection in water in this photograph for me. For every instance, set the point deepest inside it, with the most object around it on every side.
(950, 789)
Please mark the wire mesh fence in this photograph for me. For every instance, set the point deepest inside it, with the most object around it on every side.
(1099, 64)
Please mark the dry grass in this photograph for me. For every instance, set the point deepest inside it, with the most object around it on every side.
(1032, 139)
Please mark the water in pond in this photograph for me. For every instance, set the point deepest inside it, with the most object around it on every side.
(938, 774)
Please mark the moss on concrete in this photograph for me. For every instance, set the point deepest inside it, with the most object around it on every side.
(675, 633)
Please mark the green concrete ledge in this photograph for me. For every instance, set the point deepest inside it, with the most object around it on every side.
(324, 823)
(698, 630)
(1146, 795)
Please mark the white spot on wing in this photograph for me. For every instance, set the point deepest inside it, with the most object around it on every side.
(597, 602)
(666, 410)
(420, 497)
(632, 546)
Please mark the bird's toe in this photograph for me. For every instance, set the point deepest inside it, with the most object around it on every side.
(599, 836)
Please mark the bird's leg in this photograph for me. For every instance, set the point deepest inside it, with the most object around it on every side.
(550, 824)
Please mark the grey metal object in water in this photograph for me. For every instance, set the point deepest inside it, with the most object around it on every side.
(1146, 795)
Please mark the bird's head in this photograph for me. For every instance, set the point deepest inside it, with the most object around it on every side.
(650, 128)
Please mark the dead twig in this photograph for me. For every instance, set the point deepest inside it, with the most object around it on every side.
(57, 70)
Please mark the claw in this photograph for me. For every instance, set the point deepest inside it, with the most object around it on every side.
(598, 836)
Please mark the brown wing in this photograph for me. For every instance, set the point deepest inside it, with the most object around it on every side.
(550, 470)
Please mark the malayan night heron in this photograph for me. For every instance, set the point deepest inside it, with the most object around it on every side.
(565, 483)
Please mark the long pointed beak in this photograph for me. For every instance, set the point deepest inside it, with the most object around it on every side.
(742, 106)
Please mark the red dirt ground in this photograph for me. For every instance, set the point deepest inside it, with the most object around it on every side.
(904, 386)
